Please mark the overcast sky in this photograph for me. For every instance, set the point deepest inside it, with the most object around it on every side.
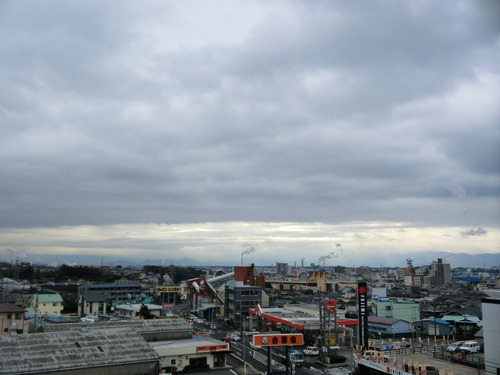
(202, 129)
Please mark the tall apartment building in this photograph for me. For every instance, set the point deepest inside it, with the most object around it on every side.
(437, 273)
(282, 268)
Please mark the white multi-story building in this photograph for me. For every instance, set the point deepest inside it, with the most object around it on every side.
(491, 328)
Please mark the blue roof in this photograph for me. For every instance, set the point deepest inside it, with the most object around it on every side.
(440, 321)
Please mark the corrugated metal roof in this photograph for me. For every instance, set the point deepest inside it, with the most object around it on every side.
(34, 353)
(138, 326)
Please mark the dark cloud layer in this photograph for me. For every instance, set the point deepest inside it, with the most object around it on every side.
(332, 112)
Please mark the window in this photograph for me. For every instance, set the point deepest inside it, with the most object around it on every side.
(388, 308)
(9, 316)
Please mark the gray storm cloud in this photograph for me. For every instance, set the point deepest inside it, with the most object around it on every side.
(474, 232)
(280, 112)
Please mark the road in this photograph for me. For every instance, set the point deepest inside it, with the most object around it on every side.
(255, 359)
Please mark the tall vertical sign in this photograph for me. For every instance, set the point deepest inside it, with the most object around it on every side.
(363, 314)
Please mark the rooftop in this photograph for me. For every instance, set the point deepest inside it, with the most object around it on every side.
(59, 351)
(10, 308)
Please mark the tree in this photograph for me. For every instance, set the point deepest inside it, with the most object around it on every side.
(144, 312)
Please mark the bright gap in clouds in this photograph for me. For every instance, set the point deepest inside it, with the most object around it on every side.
(222, 243)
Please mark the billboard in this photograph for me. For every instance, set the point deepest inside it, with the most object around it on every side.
(363, 314)
(168, 289)
(330, 306)
(286, 339)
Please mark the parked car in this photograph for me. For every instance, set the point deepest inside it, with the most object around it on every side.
(311, 351)
(469, 347)
(453, 347)
(230, 337)
(331, 348)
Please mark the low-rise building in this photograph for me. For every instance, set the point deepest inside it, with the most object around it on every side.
(185, 355)
(47, 303)
(386, 327)
(132, 310)
(434, 327)
(92, 296)
(396, 308)
(102, 352)
(92, 304)
(12, 318)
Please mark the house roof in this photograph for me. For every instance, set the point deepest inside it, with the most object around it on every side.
(385, 321)
(10, 308)
(94, 297)
(59, 351)
(439, 321)
(44, 298)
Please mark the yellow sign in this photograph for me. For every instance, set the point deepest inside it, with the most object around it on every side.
(330, 339)
(168, 289)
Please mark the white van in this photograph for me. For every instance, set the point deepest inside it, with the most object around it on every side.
(470, 347)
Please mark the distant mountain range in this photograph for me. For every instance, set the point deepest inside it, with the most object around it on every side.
(352, 260)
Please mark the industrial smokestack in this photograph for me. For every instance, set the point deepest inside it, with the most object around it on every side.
(247, 251)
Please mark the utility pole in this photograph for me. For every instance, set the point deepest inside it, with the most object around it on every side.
(322, 330)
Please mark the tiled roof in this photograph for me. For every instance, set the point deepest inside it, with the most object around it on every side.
(10, 308)
(94, 297)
